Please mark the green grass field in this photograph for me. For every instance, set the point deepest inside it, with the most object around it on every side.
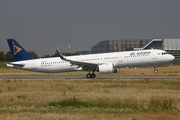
(91, 98)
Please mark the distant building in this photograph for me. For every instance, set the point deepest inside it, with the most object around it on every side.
(172, 46)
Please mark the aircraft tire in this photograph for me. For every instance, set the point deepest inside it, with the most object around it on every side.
(90, 75)
(93, 75)
(155, 71)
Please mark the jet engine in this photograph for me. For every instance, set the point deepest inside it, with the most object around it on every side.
(107, 68)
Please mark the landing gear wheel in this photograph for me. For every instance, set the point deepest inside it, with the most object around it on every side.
(93, 75)
(155, 71)
(90, 75)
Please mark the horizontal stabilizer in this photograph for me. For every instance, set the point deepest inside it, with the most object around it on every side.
(15, 64)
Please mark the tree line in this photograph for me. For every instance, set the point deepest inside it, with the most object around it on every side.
(8, 57)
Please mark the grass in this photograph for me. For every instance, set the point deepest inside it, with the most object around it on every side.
(124, 105)
(2, 64)
(90, 99)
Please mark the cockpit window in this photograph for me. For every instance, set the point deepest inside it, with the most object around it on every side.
(164, 53)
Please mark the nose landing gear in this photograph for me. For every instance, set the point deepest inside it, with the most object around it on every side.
(155, 70)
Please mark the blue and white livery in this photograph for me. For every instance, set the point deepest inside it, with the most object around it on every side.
(102, 63)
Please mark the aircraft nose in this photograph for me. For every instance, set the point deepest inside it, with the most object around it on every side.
(171, 58)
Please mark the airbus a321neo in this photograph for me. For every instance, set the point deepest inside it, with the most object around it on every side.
(102, 63)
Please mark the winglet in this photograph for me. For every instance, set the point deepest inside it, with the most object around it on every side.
(61, 56)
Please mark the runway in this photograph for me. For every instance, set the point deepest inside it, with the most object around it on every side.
(82, 77)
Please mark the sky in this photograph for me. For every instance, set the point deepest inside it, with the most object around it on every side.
(42, 25)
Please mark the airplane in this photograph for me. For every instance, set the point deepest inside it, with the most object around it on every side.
(102, 63)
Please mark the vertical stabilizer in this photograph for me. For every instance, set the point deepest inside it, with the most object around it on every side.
(17, 51)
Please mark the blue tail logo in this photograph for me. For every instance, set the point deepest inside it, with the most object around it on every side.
(17, 51)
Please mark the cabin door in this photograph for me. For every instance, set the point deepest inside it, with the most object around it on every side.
(120, 59)
(154, 55)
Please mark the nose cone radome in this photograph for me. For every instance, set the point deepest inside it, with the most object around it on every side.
(171, 57)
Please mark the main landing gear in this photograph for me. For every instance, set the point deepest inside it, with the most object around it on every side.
(91, 75)
(155, 70)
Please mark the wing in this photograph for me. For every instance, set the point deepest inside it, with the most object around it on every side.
(87, 66)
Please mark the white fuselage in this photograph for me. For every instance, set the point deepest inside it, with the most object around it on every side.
(118, 59)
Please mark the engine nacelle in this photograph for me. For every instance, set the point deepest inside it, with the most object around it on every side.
(107, 68)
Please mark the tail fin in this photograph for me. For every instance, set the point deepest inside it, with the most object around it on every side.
(17, 51)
